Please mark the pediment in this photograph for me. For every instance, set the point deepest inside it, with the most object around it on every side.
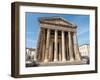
(56, 21)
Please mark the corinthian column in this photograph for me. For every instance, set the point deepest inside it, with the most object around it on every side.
(76, 50)
(63, 47)
(43, 47)
(47, 45)
(56, 47)
(70, 47)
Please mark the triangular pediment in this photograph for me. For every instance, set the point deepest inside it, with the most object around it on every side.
(56, 20)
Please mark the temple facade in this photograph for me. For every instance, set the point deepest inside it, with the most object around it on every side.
(57, 41)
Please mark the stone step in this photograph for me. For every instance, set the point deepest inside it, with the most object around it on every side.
(61, 63)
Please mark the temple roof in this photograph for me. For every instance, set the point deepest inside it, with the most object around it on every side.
(56, 21)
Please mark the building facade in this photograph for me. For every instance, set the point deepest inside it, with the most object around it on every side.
(30, 54)
(85, 52)
(57, 41)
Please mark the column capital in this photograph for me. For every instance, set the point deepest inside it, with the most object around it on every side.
(75, 32)
(56, 29)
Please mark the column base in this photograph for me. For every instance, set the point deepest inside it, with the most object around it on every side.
(55, 60)
(46, 60)
(71, 59)
(77, 59)
(63, 60)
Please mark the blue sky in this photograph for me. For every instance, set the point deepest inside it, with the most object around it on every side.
(32, 27)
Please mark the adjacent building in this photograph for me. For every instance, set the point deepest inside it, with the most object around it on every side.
(30, 54)
(85, 52)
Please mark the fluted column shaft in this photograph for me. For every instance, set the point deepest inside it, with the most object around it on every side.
(56, 47)
(50, 51)
(60, 51)
(63, 47)
(76, 50)
(70, 47)
(47, 45)
(43, 52)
